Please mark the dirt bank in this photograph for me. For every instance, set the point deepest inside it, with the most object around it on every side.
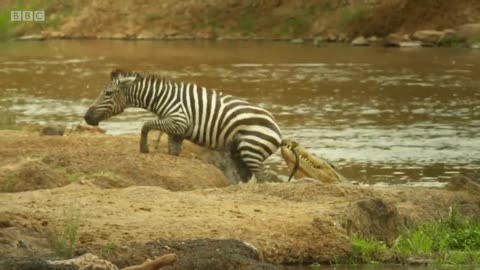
(332, 19)
(124, 198)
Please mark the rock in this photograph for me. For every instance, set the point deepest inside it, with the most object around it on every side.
(53, 34)
(297, 41)
(201, 254)
(469, 31)
(374, 39)
(31, 37)
(119, 36)
(331, 38)
(53, 130)
(85, 128)
(393, 40)
(374, 217)
(86, 261)
(428, 37)
(462, 182)
(31, 263)
(342, 37)
(475, 45)
(146, 35)
(360, 41)
(319, 42)
(206, 34)
(410, 44)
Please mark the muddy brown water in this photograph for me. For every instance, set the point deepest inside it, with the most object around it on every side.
(382, 116)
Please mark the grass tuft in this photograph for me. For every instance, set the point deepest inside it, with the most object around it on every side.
(152, 17)
(351, 16)
(109, 248)
(454, 240)
(296, 25)
(365, 250)
(65, 235)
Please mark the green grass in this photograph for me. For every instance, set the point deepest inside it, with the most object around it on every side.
(109, 248)
(65, 235)
(152, 17)
(296, 25)
(454, 240)
(452, 41)
(74, 177)
(247, 23)
(365, 250)
(8, 184)
(352, 15)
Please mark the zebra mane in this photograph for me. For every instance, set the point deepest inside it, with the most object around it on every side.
(117, 74)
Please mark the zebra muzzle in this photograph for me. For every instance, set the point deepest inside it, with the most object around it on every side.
(90, 117)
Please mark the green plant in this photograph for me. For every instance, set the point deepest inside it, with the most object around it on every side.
(414, 242)
(453, 41)
(296, 25)
(65, 235)
(315, 266)
(366, 250)
(247, 23)
(152, 17)
(453, 240)
(8, 184)
(110, 247)
(72, 178)
(352, 15)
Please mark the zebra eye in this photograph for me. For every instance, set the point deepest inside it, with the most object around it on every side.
(109, 93)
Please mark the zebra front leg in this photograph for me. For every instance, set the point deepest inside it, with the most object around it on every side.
(174, 144)
(144, 138)
(167, 125)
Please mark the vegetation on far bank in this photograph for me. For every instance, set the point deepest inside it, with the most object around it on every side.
(59, 11)
(332, 20)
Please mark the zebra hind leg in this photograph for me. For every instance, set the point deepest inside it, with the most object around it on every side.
(242, 170)
(255, 166)
(175, 144)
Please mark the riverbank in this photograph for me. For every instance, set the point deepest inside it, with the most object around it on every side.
(120, 200)
(391, 23)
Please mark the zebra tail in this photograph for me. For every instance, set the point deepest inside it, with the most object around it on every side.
(297, 163)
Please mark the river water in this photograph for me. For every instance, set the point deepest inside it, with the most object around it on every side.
(381, 115)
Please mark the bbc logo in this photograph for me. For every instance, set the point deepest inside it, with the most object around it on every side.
(36, 16)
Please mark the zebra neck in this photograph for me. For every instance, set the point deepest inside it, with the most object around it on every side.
(149, 93)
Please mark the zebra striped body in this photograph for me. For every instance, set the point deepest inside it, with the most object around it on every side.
(187, 111)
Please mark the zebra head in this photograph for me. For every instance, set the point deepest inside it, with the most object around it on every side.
(112, 99)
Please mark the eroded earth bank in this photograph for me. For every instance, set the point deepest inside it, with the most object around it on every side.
(131, 206)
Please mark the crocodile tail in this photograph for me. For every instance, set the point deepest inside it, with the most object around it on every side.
(297, 161)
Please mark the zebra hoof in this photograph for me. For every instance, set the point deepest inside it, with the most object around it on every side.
(143, 148)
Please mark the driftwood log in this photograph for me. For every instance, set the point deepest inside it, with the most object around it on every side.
(155, 264)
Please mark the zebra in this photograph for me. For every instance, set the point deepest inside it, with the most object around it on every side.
(188, 111)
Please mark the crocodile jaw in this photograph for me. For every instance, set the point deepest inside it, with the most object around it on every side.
(309, 165)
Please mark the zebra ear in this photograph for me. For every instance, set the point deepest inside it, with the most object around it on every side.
(116, 73)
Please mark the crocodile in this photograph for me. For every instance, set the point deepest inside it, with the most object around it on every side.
(304, 164)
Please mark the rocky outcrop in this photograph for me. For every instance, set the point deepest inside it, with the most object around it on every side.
(469, 31)
(360, 41)
(428, 36)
